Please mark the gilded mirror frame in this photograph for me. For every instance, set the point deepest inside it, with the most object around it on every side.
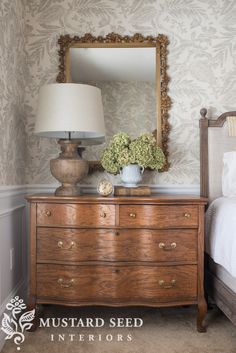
(114, 40)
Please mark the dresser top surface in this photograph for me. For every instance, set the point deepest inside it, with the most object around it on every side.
(94, 198)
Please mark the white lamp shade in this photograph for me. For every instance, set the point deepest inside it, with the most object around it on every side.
(70, 107)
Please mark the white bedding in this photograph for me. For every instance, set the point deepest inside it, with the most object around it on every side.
(220, 238)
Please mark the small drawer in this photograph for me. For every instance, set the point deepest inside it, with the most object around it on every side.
(160, 216)
(75, 214)
(74, 245)
(128, 284)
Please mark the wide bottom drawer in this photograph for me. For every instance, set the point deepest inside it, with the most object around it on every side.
(116, 283)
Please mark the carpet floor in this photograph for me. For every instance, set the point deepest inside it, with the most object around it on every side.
(166, 330)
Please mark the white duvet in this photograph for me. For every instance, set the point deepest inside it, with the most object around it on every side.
(220, 233)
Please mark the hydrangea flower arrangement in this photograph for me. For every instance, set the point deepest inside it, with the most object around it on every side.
(123, 151)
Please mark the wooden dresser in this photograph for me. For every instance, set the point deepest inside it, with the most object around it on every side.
(117, 251)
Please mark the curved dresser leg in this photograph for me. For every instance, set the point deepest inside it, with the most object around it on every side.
(202, 310)
(32, 305)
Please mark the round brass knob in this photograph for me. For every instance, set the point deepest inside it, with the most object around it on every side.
(48, 213)
(187, 215)
(132, 215)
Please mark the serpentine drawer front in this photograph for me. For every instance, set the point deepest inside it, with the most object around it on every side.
(53, 244)
(117, 251)
(126, 284)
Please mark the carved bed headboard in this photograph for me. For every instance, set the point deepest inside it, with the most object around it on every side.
(214, 142)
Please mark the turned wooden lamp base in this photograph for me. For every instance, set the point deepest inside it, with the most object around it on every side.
(69, 168)
(67, 190)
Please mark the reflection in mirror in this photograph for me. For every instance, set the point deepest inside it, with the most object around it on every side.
(132, 74)
(127, 79)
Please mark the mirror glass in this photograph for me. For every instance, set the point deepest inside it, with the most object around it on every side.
(127, 79)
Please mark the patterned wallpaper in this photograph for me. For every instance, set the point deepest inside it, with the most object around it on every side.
(202, 67)
(13, 74)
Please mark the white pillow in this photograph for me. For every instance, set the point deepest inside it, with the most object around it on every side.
(229, 174)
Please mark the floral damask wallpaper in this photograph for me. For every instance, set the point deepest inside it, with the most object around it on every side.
(202, 67)
(13, 74)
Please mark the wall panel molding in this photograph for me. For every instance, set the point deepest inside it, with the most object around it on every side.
(8, 211)
(13, 235)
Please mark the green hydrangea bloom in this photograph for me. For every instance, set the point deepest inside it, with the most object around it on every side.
(108, 161)
(120, 140)
(122, 151)
(125, 157)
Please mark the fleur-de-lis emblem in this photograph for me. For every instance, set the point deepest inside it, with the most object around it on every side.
(15, 324)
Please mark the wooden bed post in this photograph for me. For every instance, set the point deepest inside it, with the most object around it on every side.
(203, 123)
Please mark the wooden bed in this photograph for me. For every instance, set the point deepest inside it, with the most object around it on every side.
(214, 142)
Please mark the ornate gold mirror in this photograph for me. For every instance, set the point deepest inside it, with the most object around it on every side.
(132, 75)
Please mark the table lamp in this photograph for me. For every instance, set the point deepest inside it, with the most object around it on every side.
(72, 113)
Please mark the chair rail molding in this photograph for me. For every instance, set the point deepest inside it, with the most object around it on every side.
(193, 189)
(11, 197)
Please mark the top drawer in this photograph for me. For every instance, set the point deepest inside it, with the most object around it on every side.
(75, 214)
(160, 216)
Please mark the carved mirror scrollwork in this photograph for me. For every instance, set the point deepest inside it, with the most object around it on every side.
(145, 57)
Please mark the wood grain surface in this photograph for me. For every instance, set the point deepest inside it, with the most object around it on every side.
(56, 244)
(73, 214)
(96, 199)
(112, 282)
(158, 216)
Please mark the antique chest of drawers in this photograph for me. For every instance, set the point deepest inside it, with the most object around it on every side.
(115, 251)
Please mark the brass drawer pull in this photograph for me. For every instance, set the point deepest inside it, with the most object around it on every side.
(165, 247)
(48, 213)
(103, 214)
(132, 215)
(167, 285)
(117, 270)
(65, 284)
(187, 215)
(60, 245)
